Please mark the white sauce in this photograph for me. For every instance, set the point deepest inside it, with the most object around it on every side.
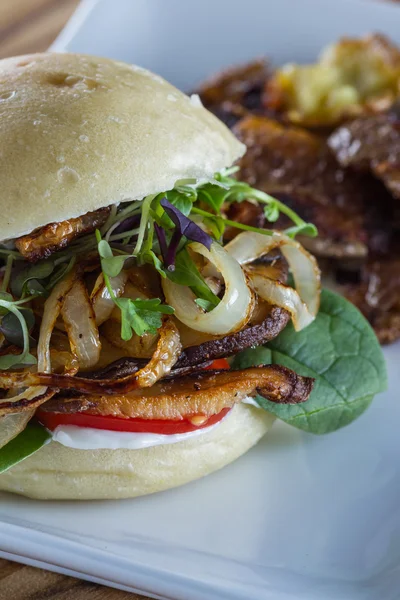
(250, 400)
(88, 438)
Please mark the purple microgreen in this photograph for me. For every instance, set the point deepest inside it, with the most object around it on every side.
(185, 226)
(169, 261)
(127, 224)
(162, 240)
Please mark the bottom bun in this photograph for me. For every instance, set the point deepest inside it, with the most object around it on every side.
(59, 473)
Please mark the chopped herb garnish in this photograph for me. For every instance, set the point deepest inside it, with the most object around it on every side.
(138, 316)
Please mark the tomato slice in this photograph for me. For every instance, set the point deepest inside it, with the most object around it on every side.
(165, 427)
(52, 420)
(218, 364)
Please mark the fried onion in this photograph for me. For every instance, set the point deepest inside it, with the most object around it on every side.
(80, 324)
(11, 425)
(164, 358)
(235, 308)
(103, 304)
(302, 302)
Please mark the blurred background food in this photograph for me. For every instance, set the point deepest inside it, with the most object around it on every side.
(31, 25)
(325, 138)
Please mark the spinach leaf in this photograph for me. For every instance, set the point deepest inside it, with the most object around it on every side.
(341, 351)
(26, 443)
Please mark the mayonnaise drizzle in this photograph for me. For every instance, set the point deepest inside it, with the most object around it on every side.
(88, 438)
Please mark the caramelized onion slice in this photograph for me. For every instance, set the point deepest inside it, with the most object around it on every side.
(11, 425)
(236, 305)
(303, 302)
(100, 298)
(51, 311)
(165, 356)
(205, 393)
(27, 400)
(79, 320)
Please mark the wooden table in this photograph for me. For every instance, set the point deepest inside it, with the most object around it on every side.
(31, 26)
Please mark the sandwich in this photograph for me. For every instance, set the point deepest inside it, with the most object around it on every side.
(147, 340)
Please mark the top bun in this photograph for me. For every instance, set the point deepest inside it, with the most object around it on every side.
(78, 133)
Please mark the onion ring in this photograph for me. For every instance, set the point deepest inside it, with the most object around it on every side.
(236, 306)
(302, 302)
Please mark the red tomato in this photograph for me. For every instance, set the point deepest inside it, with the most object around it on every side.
(218, 364)
(52, 420)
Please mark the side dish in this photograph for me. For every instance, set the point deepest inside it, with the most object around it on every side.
(324, 138)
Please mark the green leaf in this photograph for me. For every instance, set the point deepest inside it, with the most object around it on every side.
(17, 360)
(25, 358)
(216, 225)
(186, 273)
(151, 258)
(113, 266)
(204, 304)
(271, 212)
(104, 249)
(182, 200)
(7, 299)
(303, 229)
(10, 326)
(341, 351)
(26, 443)
(110, 264)
(39, 271)
(141, 316)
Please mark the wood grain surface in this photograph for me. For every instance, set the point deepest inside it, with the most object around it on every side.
(31, 26)
(18, 582)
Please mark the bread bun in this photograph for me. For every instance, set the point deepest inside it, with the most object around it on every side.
(57, 472)
(78, 133)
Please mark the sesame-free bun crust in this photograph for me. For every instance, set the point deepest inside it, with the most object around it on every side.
(78, 133)
(59, 473)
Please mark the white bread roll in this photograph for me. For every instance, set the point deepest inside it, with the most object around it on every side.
(78, 133)
(59, 473)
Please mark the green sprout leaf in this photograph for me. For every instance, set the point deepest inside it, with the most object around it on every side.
(141, 316)
(10, 326)
(110, 264)
(137, 316)
(27, 280)
(186, 273)
(271, 212)
(204, 304)
(25, 358)
(23, 445)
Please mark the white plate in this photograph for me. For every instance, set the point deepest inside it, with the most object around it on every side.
(299, 517)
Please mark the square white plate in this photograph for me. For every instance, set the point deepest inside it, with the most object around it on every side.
(299, 517)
